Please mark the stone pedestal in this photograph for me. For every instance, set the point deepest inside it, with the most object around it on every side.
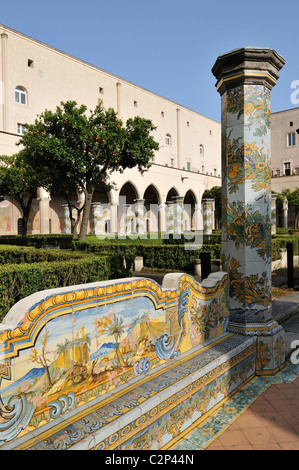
(245, 78)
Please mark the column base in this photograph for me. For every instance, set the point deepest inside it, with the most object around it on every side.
(270, 344)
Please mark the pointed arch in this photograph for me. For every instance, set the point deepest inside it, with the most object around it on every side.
(152, 201)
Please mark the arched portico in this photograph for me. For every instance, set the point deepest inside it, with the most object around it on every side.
(189, 211)
(152, 200)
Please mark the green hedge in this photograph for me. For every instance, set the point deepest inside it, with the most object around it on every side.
(20, 280)
(62, 241)
(163, 256)
(10, 254)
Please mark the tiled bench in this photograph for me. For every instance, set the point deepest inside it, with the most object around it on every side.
(174, 363)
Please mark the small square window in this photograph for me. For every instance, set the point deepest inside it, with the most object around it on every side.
(135, 104)
(101, 90)
(30, 63)
(291, 124)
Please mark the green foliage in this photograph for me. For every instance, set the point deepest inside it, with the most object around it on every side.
(214, 193)
(17, 255)
(170, 256)
(20, 280)
(77, 151)
(19, 180)
(38, 241)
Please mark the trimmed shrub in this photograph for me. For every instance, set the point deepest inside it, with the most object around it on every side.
(20, 280)
(10, 254)
(63, 241)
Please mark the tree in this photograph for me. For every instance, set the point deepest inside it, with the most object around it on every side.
(113, 327)
(82, 150)
(19, 180)
(41, 358)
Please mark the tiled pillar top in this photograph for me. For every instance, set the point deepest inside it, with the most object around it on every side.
(248, 65)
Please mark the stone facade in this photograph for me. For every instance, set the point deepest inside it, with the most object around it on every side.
(36, 77)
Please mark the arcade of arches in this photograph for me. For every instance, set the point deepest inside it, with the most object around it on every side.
(126, 211)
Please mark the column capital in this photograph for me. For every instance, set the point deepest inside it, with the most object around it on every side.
(250, 65)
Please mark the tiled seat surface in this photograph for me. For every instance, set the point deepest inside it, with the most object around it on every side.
(263, 415)
(134, 405)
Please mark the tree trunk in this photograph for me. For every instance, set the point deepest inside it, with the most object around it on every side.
(86, 212)
(25, 211)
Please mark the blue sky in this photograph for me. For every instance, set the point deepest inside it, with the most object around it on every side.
(165, 46)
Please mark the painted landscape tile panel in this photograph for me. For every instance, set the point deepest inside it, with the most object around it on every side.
(67, 353)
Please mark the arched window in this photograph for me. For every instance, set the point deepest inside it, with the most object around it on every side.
(20, 95)
(201, 150)
(168, 139)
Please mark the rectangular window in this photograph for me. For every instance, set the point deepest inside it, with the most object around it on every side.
(172, 162)
(287, 169)
(21, 129)
(188, 166)
(291, 139)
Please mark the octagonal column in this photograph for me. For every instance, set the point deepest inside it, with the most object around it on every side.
(97, 218)
(178, 210)
(67, 226)
(207, 209)
(245, 78)
(169, 217)
(273, 213)
(139, 213)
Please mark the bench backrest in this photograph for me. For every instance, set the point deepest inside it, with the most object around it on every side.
(62, 348)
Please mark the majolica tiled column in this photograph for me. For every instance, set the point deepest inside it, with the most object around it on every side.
(97, 216)
(207, 209)
(285, 210)
(178, 210)
(169, 216)
(128, 218)
(273, 213)
(67, 227)
(139, 213)
(245, 78)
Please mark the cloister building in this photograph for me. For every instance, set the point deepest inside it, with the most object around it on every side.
(35, 77)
